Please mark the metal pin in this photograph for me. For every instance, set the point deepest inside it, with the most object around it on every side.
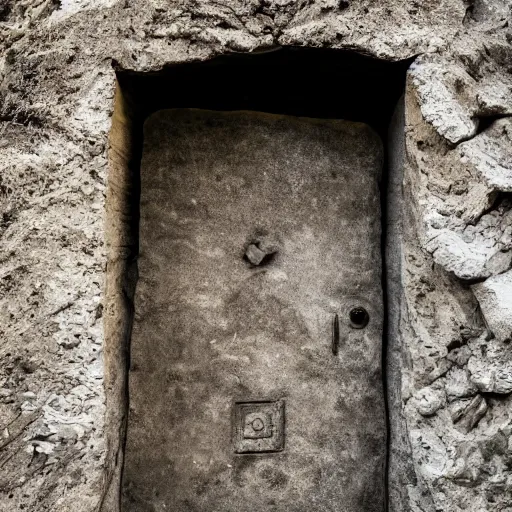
(335, 334)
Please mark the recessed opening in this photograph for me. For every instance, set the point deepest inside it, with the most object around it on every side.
(297, 83)
(303, 82)
(359, 318)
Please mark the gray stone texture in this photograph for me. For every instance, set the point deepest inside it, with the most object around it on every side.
(57, 88)
(211, 329)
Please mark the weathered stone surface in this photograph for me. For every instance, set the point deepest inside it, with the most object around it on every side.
(494, 96)
(464, 221)
(495, 298)
(56, 99)
(430, 400)
(469, 260)
(254, 254)
(448, 358)
(468, 412)
(490, 153)
(444, 93)
(211, 329)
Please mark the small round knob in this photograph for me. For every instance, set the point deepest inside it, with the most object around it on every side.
(258, 425)
(359, 317)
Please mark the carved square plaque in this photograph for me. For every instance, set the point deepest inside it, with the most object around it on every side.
(259, 426)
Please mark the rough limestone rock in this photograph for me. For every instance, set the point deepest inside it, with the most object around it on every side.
(495, 298)
(446, 99)
(490, 153)
(449, 380)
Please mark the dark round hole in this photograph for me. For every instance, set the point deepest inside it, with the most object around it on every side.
(359, 318)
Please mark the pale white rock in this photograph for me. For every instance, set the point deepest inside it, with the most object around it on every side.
(465, 469)
(69, 8)
(492, 379)
(429, 453)
(429, 400)
(441, 368)
(495, 298)
(43, 447)
(479, 199)
(491, 12)
(466, 260)
(492, 372)
(490, 366)
(89, 116)
(467, 412)
(28, 406)
(460, 356)
(490, 153)
(458, 384)
(441, 104)
(494, 96)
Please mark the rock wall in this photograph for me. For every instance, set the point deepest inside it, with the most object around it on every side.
(450, 369)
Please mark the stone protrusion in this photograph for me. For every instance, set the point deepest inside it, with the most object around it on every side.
(495, 298)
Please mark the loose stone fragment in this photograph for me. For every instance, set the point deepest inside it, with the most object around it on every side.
(254, 254)
(495, 298)
(467, 413)
(430, 400)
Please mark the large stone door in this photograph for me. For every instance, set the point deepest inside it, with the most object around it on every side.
(255, 381)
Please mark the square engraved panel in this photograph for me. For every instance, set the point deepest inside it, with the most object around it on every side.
(258, 426)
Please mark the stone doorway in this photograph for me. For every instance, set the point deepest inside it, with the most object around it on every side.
(256, 380)
(312, 303)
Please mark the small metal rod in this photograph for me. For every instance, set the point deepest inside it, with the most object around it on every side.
(335, 335)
